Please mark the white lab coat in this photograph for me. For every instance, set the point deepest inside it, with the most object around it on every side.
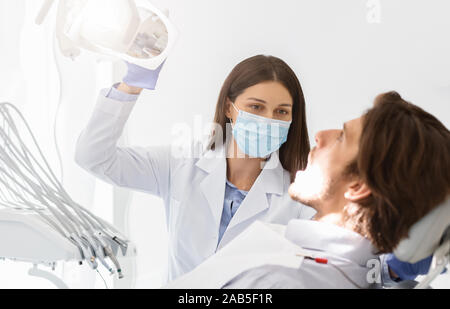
(192, 188)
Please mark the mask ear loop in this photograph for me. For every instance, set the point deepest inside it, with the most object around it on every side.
(237, 110)
(231, 120)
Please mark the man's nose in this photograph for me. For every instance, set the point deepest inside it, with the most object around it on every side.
(323, 137)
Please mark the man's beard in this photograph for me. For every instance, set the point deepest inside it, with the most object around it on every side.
(312, 187)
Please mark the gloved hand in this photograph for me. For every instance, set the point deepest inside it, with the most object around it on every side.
(141, 77)
(407, 271)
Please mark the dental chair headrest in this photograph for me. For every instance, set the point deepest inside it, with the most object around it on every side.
(425, 235)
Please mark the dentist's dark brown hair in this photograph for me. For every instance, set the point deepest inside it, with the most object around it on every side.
(258, 69)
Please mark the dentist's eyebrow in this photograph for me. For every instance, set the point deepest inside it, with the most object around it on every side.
(258, 100)
(262, 101)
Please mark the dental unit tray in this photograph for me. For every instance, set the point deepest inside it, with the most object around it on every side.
(28, 238)
(39, 221)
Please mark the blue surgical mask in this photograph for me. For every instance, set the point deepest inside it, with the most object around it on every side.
(259, 136)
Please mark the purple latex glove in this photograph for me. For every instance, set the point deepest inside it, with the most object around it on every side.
(407, 271)
(140, 77)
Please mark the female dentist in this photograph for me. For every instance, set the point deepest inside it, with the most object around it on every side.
(241, 176)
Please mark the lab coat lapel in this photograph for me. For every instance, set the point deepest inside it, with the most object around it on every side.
(270, 181)
(213, 185)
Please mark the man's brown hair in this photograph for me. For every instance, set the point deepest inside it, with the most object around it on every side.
(404, 158)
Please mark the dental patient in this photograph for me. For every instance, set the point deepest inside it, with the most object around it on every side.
(369, 182)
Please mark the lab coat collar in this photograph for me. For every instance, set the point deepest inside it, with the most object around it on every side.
(272, 173)
(270, 181)
(212, 159)
(212, 186)
(331, 239)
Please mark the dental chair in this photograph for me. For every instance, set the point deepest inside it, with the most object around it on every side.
(428, 237)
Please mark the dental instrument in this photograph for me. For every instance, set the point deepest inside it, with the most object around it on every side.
(39, 221)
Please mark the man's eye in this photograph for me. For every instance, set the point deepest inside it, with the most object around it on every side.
(341, 135)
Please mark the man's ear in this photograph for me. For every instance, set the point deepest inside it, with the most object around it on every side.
(357, 191)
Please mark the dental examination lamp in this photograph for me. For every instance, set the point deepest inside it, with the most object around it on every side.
(39, 221)
(131, 30)
(429, 236)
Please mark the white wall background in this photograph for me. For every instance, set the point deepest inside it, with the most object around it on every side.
(344, 53)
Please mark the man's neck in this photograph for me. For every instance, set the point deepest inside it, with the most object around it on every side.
(332, 218)
(341, 214)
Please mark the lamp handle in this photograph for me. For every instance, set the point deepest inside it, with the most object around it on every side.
(44, 11)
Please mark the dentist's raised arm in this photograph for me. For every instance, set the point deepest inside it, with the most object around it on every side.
(143, 169)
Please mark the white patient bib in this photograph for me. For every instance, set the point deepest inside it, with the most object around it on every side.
(261, 244)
